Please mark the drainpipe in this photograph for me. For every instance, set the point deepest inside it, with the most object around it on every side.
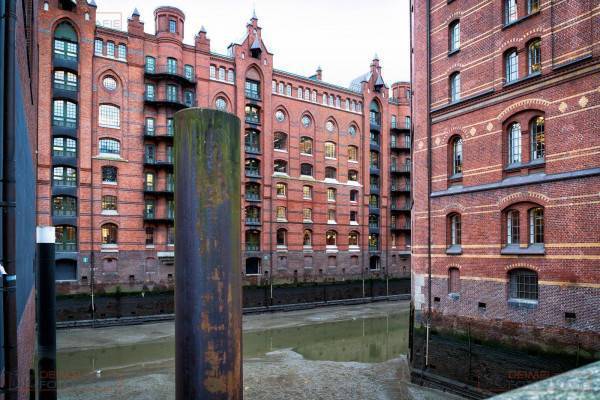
(9, 276)
(429, 177)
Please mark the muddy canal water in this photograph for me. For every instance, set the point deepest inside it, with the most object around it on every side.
(349, 352)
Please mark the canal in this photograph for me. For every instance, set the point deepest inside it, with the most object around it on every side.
(346, 352)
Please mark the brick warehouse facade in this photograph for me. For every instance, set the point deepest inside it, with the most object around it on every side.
(506, 113)
(326, 177)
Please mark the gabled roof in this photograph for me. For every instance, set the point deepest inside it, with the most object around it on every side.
(356, 84)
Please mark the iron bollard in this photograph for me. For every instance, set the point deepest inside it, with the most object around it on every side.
(208, 309)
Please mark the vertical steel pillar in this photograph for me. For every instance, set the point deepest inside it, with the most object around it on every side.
(46, 299)
(208, 308)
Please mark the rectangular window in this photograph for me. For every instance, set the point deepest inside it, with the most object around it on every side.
(150, 64)
(281, 213)
(213, 71)
(331, 216)
(353, 216)
(150, 126)
(122, 52)
(171, 92)
(98, 47)
(307, 214)
(149, 182)
(221, 74)
(510, 12)
(189, 72)
(407, 122)
(171, 65)
(149, 92)
(252, 89)
(64, 147)
(331, 194)
(281, 189)
(172, 26)
(170, 127)
(230, 76)
(109, 146)
(352, 153)
(171, 236)
(149, 236)
(109, 203)
(393, 121)
(110, 49)
(306, 192)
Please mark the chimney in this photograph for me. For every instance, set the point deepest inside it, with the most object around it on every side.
(202, 41)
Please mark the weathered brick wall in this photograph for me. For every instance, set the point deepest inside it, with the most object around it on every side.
(565, 184)
(131, 259)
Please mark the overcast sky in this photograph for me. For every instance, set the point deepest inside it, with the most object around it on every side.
(339, 35)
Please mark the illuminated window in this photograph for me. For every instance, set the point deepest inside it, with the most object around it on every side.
(538, 144)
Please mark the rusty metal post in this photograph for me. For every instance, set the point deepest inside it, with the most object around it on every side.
(208, 308)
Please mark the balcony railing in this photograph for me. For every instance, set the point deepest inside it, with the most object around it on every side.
(253, 196)
(252, 149)
(400, 144)
(400, 168)
(401, 187)
(66, 247)
(373, 225)
(61, 212)
(253, 172)
(400, 207)
(174, 71)
(177, 100)
(252, 119)
(252, 95)
(400, 225)
(252, 221)
(252, 247)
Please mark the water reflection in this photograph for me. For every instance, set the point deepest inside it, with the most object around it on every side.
(367, 340)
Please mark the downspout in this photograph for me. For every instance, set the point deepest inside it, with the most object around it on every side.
(11, 370)
(429, 177)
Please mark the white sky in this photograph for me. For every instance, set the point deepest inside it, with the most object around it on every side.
(340, 36)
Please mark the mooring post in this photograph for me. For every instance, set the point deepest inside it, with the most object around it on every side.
(208, 309)
(46, 305)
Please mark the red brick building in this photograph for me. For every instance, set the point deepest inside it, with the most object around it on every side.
(507, 169)
(326, 174)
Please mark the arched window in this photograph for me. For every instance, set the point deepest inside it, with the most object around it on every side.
(330, 150)
(523, 284)
(455, 87)
(64, 114)
(536, 225)
(534, 56)
(313, 96)
(457, 159)
(330, 173)
(252, 141)
(453, 280)
(172, 65)
(252, 240)
(514, 143)
(511, 66)
(252, 167)
(533, 6)
(109, 116)
(66, 80)
(288, 90)
(374, 114)
(513, 235)
(64, 147)
(109, 174)
(307, 94)
(64, 206)
(252, 215)
(331, 238)
(221, 73)
(188, 72)
(280, 141)
(307, 238)
(538, 142)
(454, 230)
(109, 147)
(280, 166)
(64, 176)
(252, 191)
(454, 36)
(109, 233)
(221, 104)
(65, 42)
(353, 239)
(253, 266)
(281, 237)
(510, 11)
(306, 169)
(306, 145)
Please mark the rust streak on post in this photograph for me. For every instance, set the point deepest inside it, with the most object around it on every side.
(208, 309)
